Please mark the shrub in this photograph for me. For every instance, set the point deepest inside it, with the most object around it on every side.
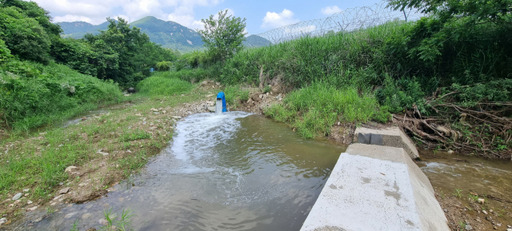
(163, 84)
(164, 66)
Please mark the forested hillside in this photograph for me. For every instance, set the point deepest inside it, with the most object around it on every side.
(168, 34)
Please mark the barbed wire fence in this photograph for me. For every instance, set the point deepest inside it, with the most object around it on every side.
(347, 20)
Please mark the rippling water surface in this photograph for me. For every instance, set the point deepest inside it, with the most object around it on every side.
(230, 171)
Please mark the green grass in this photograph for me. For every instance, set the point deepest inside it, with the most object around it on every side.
(358, 58)
(135, 135)
(37, 160)
(314, 109)
(235, 95)
(163, 84)
(49, 94)
(115, 222)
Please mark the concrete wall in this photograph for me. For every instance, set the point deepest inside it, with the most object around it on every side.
(376, 188)
(391, 136)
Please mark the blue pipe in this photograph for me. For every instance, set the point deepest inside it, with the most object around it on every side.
(223, 98)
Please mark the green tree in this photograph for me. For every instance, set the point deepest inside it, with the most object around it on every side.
(498, 11)
(32, 10)
(125, 54)
(24, 36)
(465, 42)
(223, 35)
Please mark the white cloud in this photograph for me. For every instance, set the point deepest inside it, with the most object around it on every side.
(72, 18)
(331, 10)
(274, 20)
(96, 11)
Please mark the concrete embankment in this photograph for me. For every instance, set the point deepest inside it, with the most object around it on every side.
(375, 187)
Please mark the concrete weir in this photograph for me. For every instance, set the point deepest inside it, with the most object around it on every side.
(376, 187)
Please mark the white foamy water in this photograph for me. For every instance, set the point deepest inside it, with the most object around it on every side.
(197, 135)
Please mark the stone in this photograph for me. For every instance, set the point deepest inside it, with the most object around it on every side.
(481, 200)
(26, 190)
(485, 212)
(72, 89)
(29, 202)
(469, 227)
(103, 221)
(102, 152)
(255, 98)
(154, 110)
(69, 215)
(450, 151)
(17, 196)
(72, 170)
(64, 190)
(32, 208)
(3, 220)
(509, 229)
(86, 216)
(131, 90)
(38, 219)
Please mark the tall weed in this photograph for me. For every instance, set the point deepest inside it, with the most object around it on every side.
(314, 109)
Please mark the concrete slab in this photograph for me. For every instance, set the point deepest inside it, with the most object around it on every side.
(376, 188)
(391, 136)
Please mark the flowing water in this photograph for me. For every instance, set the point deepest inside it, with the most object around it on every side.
(229, 171)
(465, 177)
(469, 174)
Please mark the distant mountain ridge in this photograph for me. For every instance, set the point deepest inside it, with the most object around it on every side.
(166, 33)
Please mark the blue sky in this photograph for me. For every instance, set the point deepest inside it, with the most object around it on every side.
(261, 16)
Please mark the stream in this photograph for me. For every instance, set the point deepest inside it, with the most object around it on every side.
(238, 171)
(229, 171)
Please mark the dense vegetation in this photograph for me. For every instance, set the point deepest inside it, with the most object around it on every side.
(456, 63)
(45, 78)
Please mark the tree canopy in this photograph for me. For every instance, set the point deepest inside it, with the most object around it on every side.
(498, 11)
(223, 35)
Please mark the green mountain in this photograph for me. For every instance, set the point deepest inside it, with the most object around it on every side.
(168, 34)
(77, 30)
(256, 41)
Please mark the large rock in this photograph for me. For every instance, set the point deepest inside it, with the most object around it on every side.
(376, 188)
(391, 136)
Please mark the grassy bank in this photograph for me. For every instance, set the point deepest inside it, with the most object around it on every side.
(314, 109)
(33, 95)
(422, 70)
(105, 148)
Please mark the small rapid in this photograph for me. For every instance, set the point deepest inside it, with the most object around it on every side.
(227, 171)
